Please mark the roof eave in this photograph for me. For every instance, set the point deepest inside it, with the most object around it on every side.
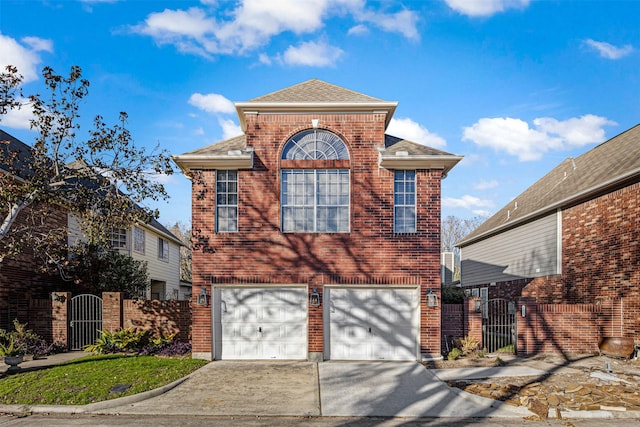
(243, 108)
(446, 163)
(187, 162)
(552, 207)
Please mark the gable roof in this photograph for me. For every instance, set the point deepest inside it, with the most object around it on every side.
(314, 91)
(22, 166)
(314, 96)
(612, 164)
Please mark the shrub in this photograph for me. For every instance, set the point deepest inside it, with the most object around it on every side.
(454, 354)
(23, 341)
(468, 345)
(139, 342)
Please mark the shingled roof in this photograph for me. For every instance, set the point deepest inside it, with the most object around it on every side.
(611, 164)
(314, 96)
(314, 91)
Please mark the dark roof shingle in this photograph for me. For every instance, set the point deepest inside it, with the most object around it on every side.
(612, 161)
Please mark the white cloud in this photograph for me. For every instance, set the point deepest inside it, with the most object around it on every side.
(413, 131)
(313, 54)
(466, 202)
(358, 30)
(23, 56)
(485, 185)
(517, 138)
(199, 131)
(485, 7)
(403, 22)
(18, 118)
(229, 128)
(609, 51)
(212, 103)
(250, 24)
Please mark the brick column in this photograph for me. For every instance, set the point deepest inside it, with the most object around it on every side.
(527, 326)
(112, 310)
(316, 325)
(60, 317)
(472, 319)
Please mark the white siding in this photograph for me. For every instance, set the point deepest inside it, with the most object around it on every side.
(167, 271)
(530, 250)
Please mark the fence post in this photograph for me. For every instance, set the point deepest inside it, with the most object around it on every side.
(60, 317)
(112, 310)
(472, 319)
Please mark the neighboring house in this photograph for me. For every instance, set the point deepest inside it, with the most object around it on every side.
(572, 237)
(20, 280)
(152, 243)
(316, 235)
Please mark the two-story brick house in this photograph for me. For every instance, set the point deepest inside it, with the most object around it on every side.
(316, 235)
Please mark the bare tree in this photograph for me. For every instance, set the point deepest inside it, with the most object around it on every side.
(455, 229)
(102, 179)
(183, 232)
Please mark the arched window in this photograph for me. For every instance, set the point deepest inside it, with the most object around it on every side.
(316, 144)
(315, 198)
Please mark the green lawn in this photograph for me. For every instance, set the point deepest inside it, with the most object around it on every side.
(90, 379)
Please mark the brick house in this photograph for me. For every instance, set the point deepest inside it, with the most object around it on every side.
(20, 278)
(573, 237)
(316, 235)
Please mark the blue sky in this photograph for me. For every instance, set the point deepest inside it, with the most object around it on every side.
(515, 86)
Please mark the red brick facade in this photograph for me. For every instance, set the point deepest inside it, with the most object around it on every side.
(371, 253)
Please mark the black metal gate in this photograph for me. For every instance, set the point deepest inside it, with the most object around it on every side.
(85, 320)
(499, 325)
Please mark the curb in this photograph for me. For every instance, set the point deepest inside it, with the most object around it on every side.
(94, 408)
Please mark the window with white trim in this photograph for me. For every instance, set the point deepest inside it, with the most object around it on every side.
(404, 201)
(163, 249)
(118, 238)
(138, 239)
(226, 201)
(315, 199)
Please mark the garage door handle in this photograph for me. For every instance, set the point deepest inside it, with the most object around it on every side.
(260, 329)
(369, 330)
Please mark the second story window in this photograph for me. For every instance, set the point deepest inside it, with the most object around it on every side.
(226, 201)
(138, 239)
(118, 239)
(163, 249)
(315, 184)
(404, 201)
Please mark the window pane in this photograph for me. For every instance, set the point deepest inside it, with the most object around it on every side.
(226, 201)
(315, 200)
(404, 202)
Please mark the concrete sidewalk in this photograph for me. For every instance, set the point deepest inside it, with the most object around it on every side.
(52, 360)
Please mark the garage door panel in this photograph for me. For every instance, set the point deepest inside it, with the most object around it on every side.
(373, 324)
(262, 323)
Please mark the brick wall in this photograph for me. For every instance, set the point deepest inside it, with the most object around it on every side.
(165, 317)
(20, 278)
(566, 328)
(452, 325)
(370, 252)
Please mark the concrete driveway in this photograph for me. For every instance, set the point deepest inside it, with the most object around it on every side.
(403, 389)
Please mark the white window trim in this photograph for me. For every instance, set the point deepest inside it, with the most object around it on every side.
(135, 241)
(162, 254)
(415, 202)
(315, 204)
(217, 226)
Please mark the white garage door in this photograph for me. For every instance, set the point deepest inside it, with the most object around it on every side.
(260, 323)
(372, 324)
